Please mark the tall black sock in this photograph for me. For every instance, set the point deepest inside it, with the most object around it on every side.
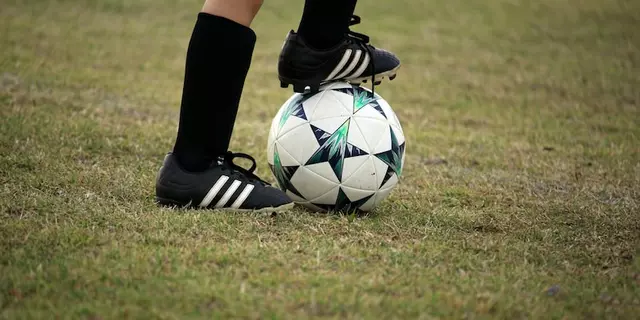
(324, 22)
(218, 60)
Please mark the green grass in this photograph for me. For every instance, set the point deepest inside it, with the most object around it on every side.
(520, 196)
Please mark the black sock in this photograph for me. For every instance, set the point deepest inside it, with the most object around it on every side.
(218, 60)
(324, 22)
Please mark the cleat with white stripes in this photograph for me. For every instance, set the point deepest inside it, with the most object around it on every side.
(224, 186)
(354, 60)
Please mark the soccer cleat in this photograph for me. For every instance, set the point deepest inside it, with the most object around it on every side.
(354, 60)
(224, 185)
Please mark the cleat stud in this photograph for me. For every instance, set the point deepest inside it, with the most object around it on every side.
(305, 89)
(299, 88)
(377, 83)
(392, 77)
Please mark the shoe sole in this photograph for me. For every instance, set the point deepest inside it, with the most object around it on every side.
(175, 204)
(377, 79)
(300, 86)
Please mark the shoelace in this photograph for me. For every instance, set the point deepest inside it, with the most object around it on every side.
(363, 41)
(227, 159)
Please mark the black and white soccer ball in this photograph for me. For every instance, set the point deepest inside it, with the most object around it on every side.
(338, 149)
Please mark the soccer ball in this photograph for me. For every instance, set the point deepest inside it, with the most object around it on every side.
(339, 149)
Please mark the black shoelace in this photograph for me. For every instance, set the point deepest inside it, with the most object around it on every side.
(227, 161)
(362, 40)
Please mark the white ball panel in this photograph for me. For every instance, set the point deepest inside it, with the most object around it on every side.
(300, 143)
(370, 129)
(327, 198)
(345, 100)
(381, 196)
(351, 165)
(391, 183)
(364, 177)
(384, 144)
(391, 115)
(294, 197)
(369, 111)
(370, 204)
(356, 194)
(324, 104)
(275, 123)
(323, 170)
(399, 134)
(356, 138)
(310, 184)
(272, 132)
(270, 151)
(330, 125)
(381, 169)
(286, 159)
(310, 105)
(376, 132)
(292, 123)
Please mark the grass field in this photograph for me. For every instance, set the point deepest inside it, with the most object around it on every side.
(520, 196)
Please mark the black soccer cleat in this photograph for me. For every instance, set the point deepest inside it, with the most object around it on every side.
(354, 60)
(224, 185)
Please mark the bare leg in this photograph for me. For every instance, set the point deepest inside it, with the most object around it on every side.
(240, 11)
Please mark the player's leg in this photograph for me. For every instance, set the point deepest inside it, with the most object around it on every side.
(200, 171)
(324, 49)
(239, 11)
(324, 23)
